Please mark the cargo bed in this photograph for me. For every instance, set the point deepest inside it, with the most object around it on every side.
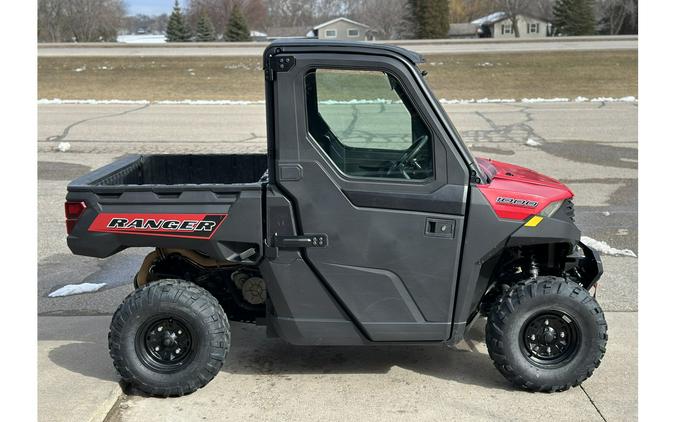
(170, 171)
(171, 201)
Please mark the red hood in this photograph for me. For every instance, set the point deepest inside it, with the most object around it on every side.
(509, 181)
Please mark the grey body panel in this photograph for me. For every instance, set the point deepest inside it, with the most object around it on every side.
(392, 278)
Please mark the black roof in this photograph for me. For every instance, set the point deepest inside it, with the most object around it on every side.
(302, 44)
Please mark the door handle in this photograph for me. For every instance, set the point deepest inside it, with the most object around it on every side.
(307, 241)
(440, 228)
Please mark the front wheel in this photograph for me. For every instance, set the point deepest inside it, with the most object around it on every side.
(546, 334)
(169, 338)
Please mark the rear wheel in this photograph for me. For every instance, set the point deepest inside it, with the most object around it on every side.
(169, 338)
(546, 334)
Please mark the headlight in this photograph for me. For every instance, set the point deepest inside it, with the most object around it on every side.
(551, 208)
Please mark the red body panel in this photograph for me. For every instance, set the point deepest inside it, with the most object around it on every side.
(522, 184)
(191, 226)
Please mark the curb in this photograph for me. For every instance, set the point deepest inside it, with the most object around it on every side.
(101, 413)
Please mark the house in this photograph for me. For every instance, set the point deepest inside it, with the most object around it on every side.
(463, 30)
(498, 25)
(286, 32)
(342, 29)
(258, 36)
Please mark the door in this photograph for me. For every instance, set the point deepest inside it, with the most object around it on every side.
(365, 161)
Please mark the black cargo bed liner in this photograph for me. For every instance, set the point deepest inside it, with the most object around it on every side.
(176, 172)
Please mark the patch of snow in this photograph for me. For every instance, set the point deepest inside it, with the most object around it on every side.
(606, 213)
(486, 64)
(360, 101)
(75, 289)
(493, 17)
(531, 142)
(445, 101)
(628, 99)
(353, 101)
(60, 101)
(496, 100)
(141, 38)
(237, 66)
(604, 248)
(545, 100)
(80, 69)
(210, 102)
(63, 146)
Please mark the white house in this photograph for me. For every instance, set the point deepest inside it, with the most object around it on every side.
(342, 29)
(498, 25)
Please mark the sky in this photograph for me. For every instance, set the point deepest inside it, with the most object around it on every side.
(150, 7)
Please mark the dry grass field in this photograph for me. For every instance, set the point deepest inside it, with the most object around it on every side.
(457, 76)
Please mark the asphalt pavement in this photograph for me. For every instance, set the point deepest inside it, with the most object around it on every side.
(484, 45)
(590, 146)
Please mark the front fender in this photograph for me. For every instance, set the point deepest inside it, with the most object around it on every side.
(589, 266)
(545, 231)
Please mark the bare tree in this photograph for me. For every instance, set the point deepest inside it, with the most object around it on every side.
(290, 13)
(218, 11)
(462, 11)
(613, 14)
(513, 8)
(323, 10)
(541, 9)
(79, 20)
(386, 17)
(50, 21)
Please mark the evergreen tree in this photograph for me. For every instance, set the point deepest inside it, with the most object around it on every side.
(177, 30)
(205, 30)
(430, 18)
(237, 29)
(574, 17)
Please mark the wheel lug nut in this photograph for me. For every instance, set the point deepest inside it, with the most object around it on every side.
(180, 332)
(156, 348)
(562, 334)
(545, 322)
(548, 350)
(178, 350)
(533, 337)
(160, 328)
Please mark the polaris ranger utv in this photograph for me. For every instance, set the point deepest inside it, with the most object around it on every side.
(367, 222)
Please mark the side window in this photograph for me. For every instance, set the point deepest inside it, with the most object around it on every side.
(367, 125)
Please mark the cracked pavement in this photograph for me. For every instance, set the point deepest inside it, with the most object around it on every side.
(592, 147)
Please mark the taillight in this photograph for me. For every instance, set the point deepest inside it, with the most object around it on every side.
(73, 212)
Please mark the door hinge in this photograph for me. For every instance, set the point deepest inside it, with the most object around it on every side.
(278, 63)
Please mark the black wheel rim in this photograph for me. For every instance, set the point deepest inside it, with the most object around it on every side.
(550, 338)
(165, 344)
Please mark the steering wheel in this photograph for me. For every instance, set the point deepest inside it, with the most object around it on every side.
(408, 158)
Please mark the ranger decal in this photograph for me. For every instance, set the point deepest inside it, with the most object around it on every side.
(194, 226)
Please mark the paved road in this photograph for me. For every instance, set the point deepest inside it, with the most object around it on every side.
(590, 146)
(424, 47)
